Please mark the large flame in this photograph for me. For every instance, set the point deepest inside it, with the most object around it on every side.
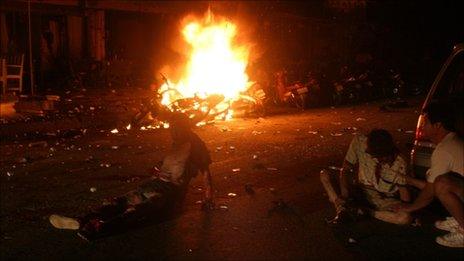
(216, 64)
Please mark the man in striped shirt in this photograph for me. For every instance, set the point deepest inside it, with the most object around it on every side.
(379, 179)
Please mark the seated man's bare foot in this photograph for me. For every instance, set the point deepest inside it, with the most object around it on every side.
(63, 222)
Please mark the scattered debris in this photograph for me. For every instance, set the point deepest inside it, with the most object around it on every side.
(409, 131)
(313, 132)
(360, 119)
(336, 134)
(336, 123)
(236, 170)
(255, 156)
(232, 195)
(107, 165)
(232, 148)
(223, 207)
(271, 168)
(257, 132)
(9, 174)
(115, 147)
(350, 129)
(93, 189)
(114, 131)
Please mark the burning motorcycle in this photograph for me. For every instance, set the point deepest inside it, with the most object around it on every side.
(200, 109)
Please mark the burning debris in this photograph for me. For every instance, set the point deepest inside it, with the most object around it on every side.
(214, 84)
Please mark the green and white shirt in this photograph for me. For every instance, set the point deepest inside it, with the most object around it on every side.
(391, 176)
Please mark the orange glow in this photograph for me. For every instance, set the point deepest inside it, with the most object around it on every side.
(216, 64)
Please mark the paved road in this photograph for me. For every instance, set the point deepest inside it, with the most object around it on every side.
(278, 156)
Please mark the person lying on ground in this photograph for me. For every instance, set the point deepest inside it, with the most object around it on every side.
(445, 177)
(187, 157)
(378, 181)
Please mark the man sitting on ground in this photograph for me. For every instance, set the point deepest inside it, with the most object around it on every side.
(380, 177)
(445, 177)
(188, 157)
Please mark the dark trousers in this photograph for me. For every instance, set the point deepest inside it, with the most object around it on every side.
(152, 195)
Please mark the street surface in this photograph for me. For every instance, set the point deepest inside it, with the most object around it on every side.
(279, 157)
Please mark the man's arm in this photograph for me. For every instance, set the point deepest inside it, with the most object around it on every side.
(405, 196)
(345, 178)
(425, 197)
(418, 183)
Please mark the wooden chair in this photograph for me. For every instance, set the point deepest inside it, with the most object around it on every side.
(15, 70)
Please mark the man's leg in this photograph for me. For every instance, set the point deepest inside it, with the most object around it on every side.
(382, 212)
(450, 191)
(149, 196)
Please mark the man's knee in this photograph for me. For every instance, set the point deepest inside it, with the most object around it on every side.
(442, 184)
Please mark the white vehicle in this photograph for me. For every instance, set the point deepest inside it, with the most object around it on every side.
(448, 86)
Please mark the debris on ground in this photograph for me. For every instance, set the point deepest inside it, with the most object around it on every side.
(223, 207)
(336, 134)
(271, 168)
(93, 189)
(231, 195)
(360, 119)
(313, 132)
(236, 170)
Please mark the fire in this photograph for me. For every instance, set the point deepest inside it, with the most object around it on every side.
(216, 64)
